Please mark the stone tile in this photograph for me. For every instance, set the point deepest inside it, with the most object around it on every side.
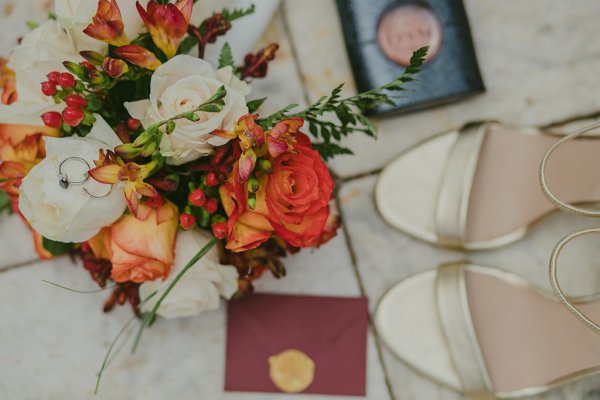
(530, 79)
(283, 84)
(63, 346)
(385, 255)
(16, 242)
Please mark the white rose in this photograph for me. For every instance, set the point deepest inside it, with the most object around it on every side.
(180, 85)
(70, 215)
(76, 15)
(41, 51)
(200, 288)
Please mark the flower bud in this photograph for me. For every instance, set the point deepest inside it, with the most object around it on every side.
(75, 69)
(76, 101)
(220, 230)
(92, 56)
(167, 24)
(139, 56)
(253, 185)
(149, 148)
(186, 220)
(265, 166)
(66, 80)
(170, 127)
(197, 197)
(49, 88)
(211, 205)
(52, 119)
(114, 68)
(144, 138)
(98, 78)
(252, 201)
(73, 116)
(88, 66)
(127, 151)
(107, 25)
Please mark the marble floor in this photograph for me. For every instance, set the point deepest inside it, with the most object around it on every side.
(540, 62)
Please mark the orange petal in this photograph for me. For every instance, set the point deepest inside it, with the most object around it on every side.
(108, 174)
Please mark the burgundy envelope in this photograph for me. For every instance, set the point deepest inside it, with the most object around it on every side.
(332, 331)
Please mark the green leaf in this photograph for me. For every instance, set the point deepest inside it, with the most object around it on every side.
(211, 108)
(226, 57)
(32, 25)
(57, 248)
(187, 44)
(190, 116)
(254, 105)
(219, 95)
(271, 120)
(329, 150)
(236, 13)
(4, 202)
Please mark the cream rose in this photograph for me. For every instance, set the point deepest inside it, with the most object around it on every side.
(180, 85)
(76, 15)
(200, 288)
(71, 215)
(41, 51)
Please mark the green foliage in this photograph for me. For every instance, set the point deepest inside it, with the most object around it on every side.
(271, 120)
(254, 105)
(332, 117)
(57, 248)
(236, 13)
(226, 57)
(4, 202)
(330, 150)
(187, 44)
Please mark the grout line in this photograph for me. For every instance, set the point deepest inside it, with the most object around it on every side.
(294, 50)
(353, 259)
(595, 114)
(19, 265)
(338, 183)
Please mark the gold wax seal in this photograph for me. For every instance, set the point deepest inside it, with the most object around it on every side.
(291, 371)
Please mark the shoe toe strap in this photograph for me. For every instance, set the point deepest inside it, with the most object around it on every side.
(455, 317)
(455, 189)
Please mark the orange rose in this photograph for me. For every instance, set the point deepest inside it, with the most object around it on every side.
(247, 229)
(292, 202)
(21, 148)
(298, 194)
(140, 249)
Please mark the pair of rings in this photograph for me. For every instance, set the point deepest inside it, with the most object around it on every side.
(64, 181)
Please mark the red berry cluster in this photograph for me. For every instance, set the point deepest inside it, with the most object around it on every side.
(209, 206)
(74, 113)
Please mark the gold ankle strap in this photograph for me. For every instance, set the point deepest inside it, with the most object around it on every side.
(568, 302)
(555, 200)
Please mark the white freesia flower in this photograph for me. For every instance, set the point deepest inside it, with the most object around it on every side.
(71, 215)
(41, 51)
(76, 15)
(200, 288)
(180, 85)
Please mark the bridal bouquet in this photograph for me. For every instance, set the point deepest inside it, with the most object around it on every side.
(121, 145)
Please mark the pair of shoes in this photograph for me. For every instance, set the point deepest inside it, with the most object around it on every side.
(475, 329)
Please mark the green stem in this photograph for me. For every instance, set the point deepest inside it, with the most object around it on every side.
(149, 318)
(114, 342)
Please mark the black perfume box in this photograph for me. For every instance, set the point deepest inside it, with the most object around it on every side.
(381, 34)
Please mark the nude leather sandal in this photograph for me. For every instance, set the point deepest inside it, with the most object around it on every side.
(486, 332)
(477, 188)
